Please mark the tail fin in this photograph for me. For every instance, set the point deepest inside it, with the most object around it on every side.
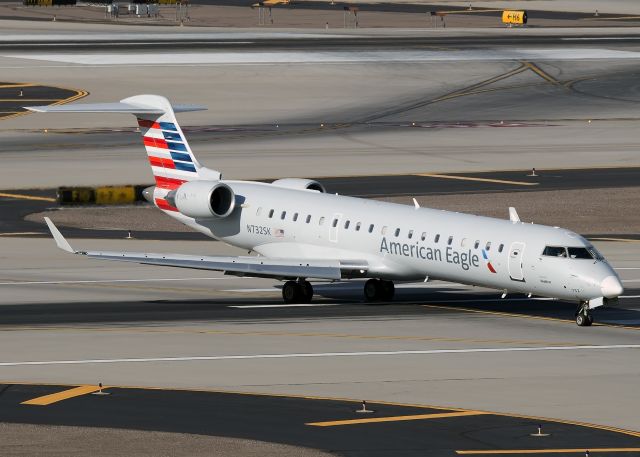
(170, 156)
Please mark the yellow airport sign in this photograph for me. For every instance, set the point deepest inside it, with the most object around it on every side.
(514, 17)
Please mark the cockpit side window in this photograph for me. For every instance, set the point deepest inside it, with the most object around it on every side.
(555, 251)
(579, 253)
(595, 253)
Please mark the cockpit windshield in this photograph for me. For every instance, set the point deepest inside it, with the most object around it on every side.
(579, 253)
(588, 252)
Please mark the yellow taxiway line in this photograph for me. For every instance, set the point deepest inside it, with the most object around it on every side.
(549, 451)
(28, 197)
(467, 178)
(64, 395)
(413, 417)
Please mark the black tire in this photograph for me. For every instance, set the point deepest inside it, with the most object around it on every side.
(388, 290)
(307, 291)
(372, 290)
(291, 292)
(589, 320)
(583, 320)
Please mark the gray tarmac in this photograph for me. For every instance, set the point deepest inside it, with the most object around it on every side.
(148, 325)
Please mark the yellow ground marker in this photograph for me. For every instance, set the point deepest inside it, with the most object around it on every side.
(413, 417)
(468, 178)
(64, 395)
(549, 451)
(544, 75)
(28, 197)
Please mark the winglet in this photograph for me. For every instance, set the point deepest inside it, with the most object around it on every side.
(513, 215)
(60, 240)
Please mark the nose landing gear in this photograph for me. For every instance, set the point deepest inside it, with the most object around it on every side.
(583, 315)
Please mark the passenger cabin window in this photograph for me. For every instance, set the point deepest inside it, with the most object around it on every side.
(554, 251)
(410, 234)
(437, 238)
(397, 232)
(487, 246)
(308, 218)
(346, 224)
(321, 221)
(259, 211)
(579, 253)
(450, 240)
(384, 230)
(335, 223)
(476, 244)
(295, 217)
(358, 226)
(270, 214)
(283, 215)
(423, 236)
(371, 228)
(500, 248)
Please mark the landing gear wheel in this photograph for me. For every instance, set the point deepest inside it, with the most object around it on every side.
(583, 316)
(291, 292)
(372, 290)
(388, 290)
(307, 291)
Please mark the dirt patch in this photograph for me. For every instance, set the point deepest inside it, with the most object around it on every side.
(52, 441)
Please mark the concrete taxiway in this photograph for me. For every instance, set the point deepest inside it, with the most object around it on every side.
(317, 110)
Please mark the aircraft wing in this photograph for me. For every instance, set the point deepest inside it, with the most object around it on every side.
(238, 266)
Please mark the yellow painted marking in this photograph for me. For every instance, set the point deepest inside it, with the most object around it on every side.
(413, 417)
(626, 240)
(28, 197)
(617, 18)
(468, 178)
(64, 395)
(549, 451)
(11, 86)
(537, 70)
(20, 233)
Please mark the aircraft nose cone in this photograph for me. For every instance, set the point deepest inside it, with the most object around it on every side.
(611, 287)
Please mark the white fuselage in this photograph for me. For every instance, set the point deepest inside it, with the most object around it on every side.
(401, 242)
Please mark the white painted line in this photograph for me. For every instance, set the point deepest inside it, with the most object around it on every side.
(329, 57)
(629, 296)
(292, 305)
(320, 354)
(100, 281)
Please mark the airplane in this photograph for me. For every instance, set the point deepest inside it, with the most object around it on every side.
(298, 231)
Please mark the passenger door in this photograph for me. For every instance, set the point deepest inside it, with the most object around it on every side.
(515, 261)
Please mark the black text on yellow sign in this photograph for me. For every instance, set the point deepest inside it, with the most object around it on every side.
(514, 17)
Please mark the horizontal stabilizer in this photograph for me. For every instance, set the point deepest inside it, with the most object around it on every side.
(119, 107)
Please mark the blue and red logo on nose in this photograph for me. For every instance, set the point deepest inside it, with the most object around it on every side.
(488, 262)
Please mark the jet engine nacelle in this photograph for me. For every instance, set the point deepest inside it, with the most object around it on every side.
(205, 199)
(299, 183)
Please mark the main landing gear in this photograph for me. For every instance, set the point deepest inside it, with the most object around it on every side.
(378, 290)
(299, 291)
(583, 316)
